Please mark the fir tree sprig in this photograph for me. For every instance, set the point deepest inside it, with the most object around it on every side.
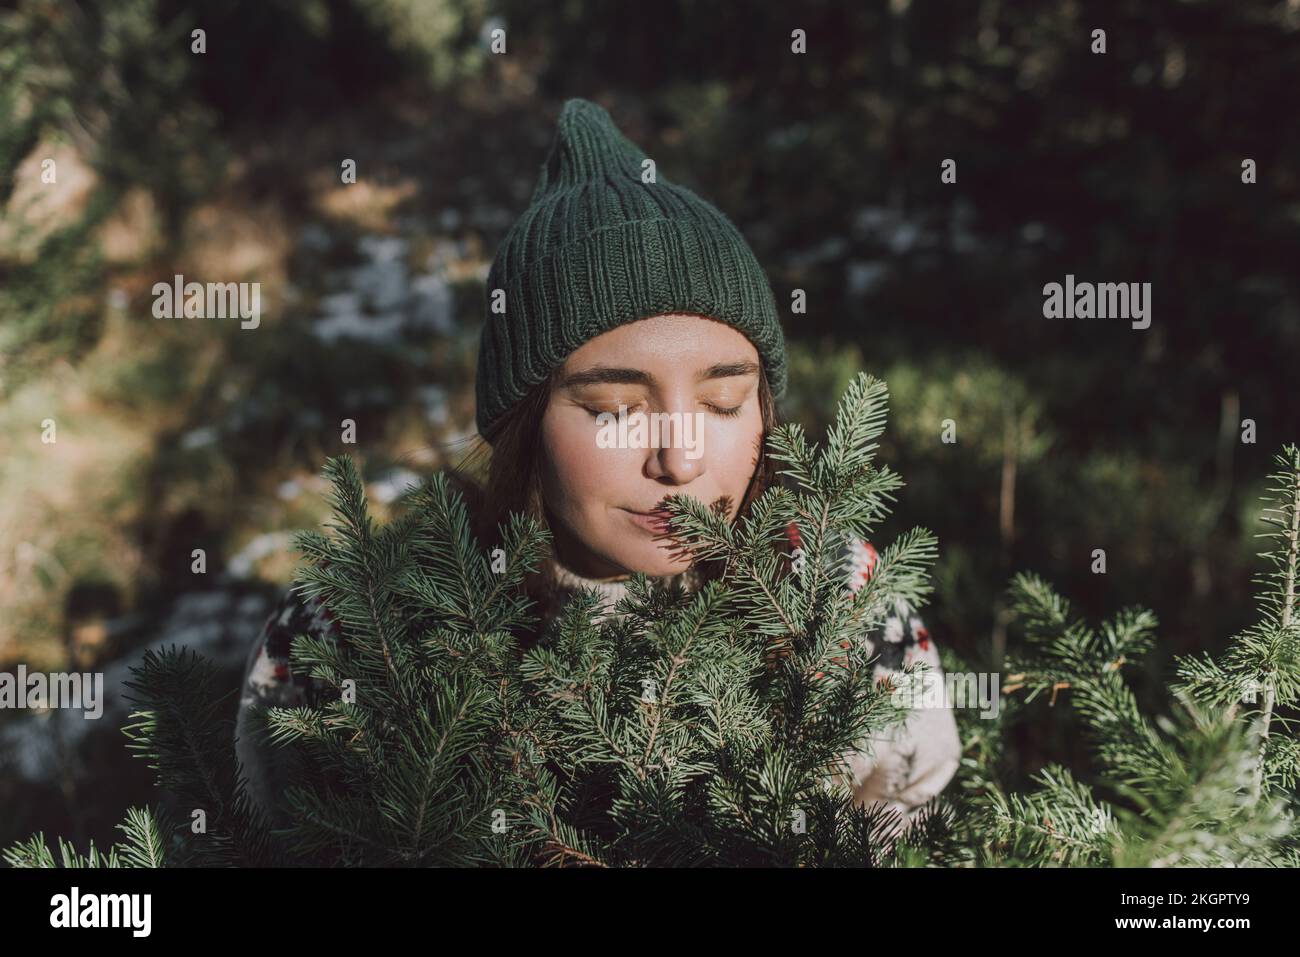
(180, 727)
(1261, 666)
(407, 753)
(1205, 787)
(143, 845)
(722, 722)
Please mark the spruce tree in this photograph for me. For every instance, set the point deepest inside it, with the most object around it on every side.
(1213, 784)
(181, 729)
(412, 757)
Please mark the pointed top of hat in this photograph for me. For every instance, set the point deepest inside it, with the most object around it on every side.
(587, 145)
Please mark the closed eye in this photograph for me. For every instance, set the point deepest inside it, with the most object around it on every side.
(597, 413)
(716, 410)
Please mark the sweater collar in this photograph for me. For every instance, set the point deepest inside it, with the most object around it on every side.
(611, 590)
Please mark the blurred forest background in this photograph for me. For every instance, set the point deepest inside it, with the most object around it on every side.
(1072, 435)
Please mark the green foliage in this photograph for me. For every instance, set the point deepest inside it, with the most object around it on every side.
(141, 847)
(1212, 786)
(404, 759)
(719, 722)
(182, 730)
(707, 728)
(445, 39)
(112, 82)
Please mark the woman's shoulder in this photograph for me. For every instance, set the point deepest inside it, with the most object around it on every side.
(857, 556)
(296, 614)
(269, 677)
(903, 636)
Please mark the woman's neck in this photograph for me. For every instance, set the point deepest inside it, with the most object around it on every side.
(612, 588)
(569, 580)
(579, 561)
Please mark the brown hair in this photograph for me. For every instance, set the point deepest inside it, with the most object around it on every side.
(505, 477)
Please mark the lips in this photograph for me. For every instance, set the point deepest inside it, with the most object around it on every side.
(655, 521)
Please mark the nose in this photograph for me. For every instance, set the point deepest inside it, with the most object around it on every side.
(680, 458)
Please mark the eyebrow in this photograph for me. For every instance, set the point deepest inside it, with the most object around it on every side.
(604, 375)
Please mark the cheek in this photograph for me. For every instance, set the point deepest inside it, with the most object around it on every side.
(579, 473)
(733, 450)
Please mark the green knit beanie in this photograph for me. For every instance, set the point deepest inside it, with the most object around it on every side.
(597, 248)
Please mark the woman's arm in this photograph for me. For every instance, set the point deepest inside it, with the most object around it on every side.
(268, 682)
(907, 764)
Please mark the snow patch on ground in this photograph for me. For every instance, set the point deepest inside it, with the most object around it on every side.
(381, 301)
(220, 625)
(394, 483)
(243, 563)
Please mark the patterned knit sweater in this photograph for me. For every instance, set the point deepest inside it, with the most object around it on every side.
(903, 768)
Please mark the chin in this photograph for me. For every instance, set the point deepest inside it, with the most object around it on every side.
(657, 562)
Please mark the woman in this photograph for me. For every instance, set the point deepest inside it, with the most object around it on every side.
(619, 293)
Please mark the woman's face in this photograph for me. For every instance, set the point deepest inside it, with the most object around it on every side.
(694, 369)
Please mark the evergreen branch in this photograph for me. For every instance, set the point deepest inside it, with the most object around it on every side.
(1061, 823)
(143, 846)
(183, 736)
(859, 421)
(1279, 605)
(704, 606)
(787, 443)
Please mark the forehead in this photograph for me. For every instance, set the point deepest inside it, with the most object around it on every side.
(676, 343)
